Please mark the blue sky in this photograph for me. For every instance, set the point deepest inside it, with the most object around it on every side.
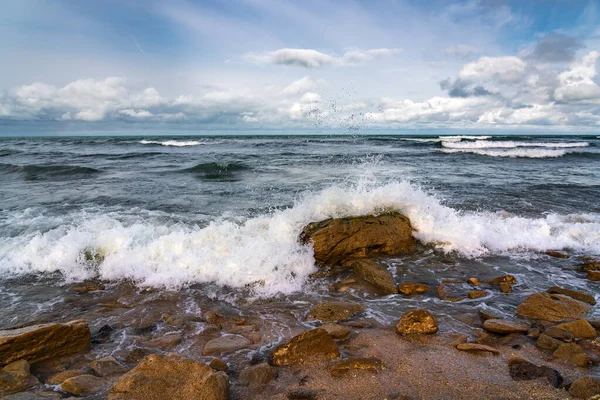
(252, 64)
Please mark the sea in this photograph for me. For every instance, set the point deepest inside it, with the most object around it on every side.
(217, 218)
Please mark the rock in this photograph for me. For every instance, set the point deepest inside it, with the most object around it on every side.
(443, 291)
(581, 329)
(504, 326)
(107, 366)
(585, 387)
(409, 289)
(83, 385)
(458, 340)
(418, 321)
(505, 287)
(573, 354)
(556, 254)
(593, 275)
(473, 281)
(589, 264)
(534, 332)
(40, 342)
(504, 279)
(226, 344)
(552, 307)
(335, 240)
(85, 287)
(15, 377)
(489, 314)
(302, 394)
(547, 343)
(560, 334)
(103, 335)
(337, 332)
(476, 294)
(308, 346)
(345, 367)
(374, 273)
(522, 370)
(218, 365)
(476, 347)
(170, 376)
(37, 395)
(334, 311)
(165, 342)
(257, 375)
(580, 295)
(59, 378)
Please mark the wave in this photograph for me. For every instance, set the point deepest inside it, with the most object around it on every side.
(175, 143)
(512, 153)
(9, 152)
(485, 144)
(465, 137)
(36, 172)
(263, 252)
(217, 170)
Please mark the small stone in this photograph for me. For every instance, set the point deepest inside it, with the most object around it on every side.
(218, 365)
(337, 332)
(257, 375)
(476, 294)
(374, 273)
(556, 254)
(473, 281)
(585, 387)
(334, 311)
(552, 307)
(489, 314)
(302, 394)
(346, 367)
(547, 343)
(476, 347)
(581, 329)
(107, 366)
(86, 287)
(505, 287)
(560, 334)
(15, 377)
(226, 344)
(409, 289)
(573, 354)
(418, 321)
(593, 276)
(580, 295)
(59, 378)
(83, 385)
(504, 279)
(308, 346)
(504, 326)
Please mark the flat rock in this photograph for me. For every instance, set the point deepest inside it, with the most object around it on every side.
(573, 354)
(83, 385)
(170, 376)
(41, 342)
(418, 321)
(16, 377)
(580, 295)
(331, 311)
(560, 334)
(476, 294)
(552, 307)
(335, 240)
(337, 332)
(59, 378)
(374, 273)
(308, 346)
(585, 387)
(258, 375)
(226, 344)
(546, 342)
(107, 366)
(409, 289)
(476, 347)
(347, 367)
(581, 329)
(504, 326)
(522, 370)
(166, 342)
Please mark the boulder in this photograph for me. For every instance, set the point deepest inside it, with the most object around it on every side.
(258, 375)
(346, 367)
(331, 311)
(504, 326)
(41, 342)
(581, 329)
(83, 385)
(573, 354)
(15, 377)
(585, 387)
(335, 240)
(580, 295)
(476, 347)
(107, 366)
(226, 344)
(522, 370)
(552, 307)
(408, 289)
(59, 378)
(170, 376)
(374, 273)
(311, 345)
(418, 321)
(337, 332)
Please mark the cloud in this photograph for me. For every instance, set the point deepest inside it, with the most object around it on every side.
(302, 85)
(500, 69)
(555, 48)
(461, 88)
(309, 58)
(461, 51)
(577, 84)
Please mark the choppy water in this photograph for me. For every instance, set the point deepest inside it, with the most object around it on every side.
(176, 212)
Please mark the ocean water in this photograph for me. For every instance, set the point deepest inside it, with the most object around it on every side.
(177, 213)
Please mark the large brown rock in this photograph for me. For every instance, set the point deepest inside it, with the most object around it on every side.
(417, 322)
(504, 326)
(581, 329)
(580, 295)
(308, 346)
(334, 311)
(585, 387)
(15, 377)
(226, 344)
(40, 342)
(374, 273)
(83, 385)
(335, 240)
(572, 353)
(170, 376)
(552, 307)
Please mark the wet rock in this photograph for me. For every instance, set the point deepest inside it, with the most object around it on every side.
(37, 395)
(337, 332)
(504, 326)
(585, 387)
(580, 295)
(473, 281)
(226, 344)
(346, 367)
(374, 273)
(476, 347)
(16, 377)
(593, 276)
(59, 378)
(302, 394)
(107, 366)
(86, 287)
(443, 291)
(166, 342)
(218, 365)
(590, 264)
(418, 321)
(258, 375)
(40, 342)
(505, 287)
(335, 240)
(560, 334)
(489, 314)
(103, 335)
(556, 254)
(213, 317)
(522, 370)
(334, 311)
(504, 279)
(308, 346)
(534, 333)
(552, 307)
(170, 376)
(83, 385)
(581, 329)
(409, 289)
(476, 294)
(546, 342)
(573, 354)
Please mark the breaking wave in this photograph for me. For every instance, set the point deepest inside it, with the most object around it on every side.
(175, 143)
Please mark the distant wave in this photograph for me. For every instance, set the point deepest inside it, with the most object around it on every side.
(175, 143)
(217, 170)
(513, 153)
(460, 137)
(127, 156)
(35, 172)
(9, 152)
(486, 144)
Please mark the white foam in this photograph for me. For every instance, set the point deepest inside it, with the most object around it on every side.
(486, 144)
(465, 137)
(513, 153)
(174, 143)
(265, 249)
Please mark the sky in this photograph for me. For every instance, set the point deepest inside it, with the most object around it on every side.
(273, 64)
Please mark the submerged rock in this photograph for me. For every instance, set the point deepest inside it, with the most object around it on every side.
(312, 345)
(552, 307)
(226, 343)
(335, 240)
(345, 367)
(585, 388)
(418, 321)
(170, 376)
(580, 295)
(504, 279)
(331, 311)
(374, 273)
(15, 377)
(409, 289)
(476, 294)
(40, 342)
(504, 326)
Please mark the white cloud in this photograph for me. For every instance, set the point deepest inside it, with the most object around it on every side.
(576, 84)
(310, 58)
(501, 69)
(302, 85)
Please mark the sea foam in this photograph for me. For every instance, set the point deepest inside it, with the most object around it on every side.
(486, 144)
(174, 143)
